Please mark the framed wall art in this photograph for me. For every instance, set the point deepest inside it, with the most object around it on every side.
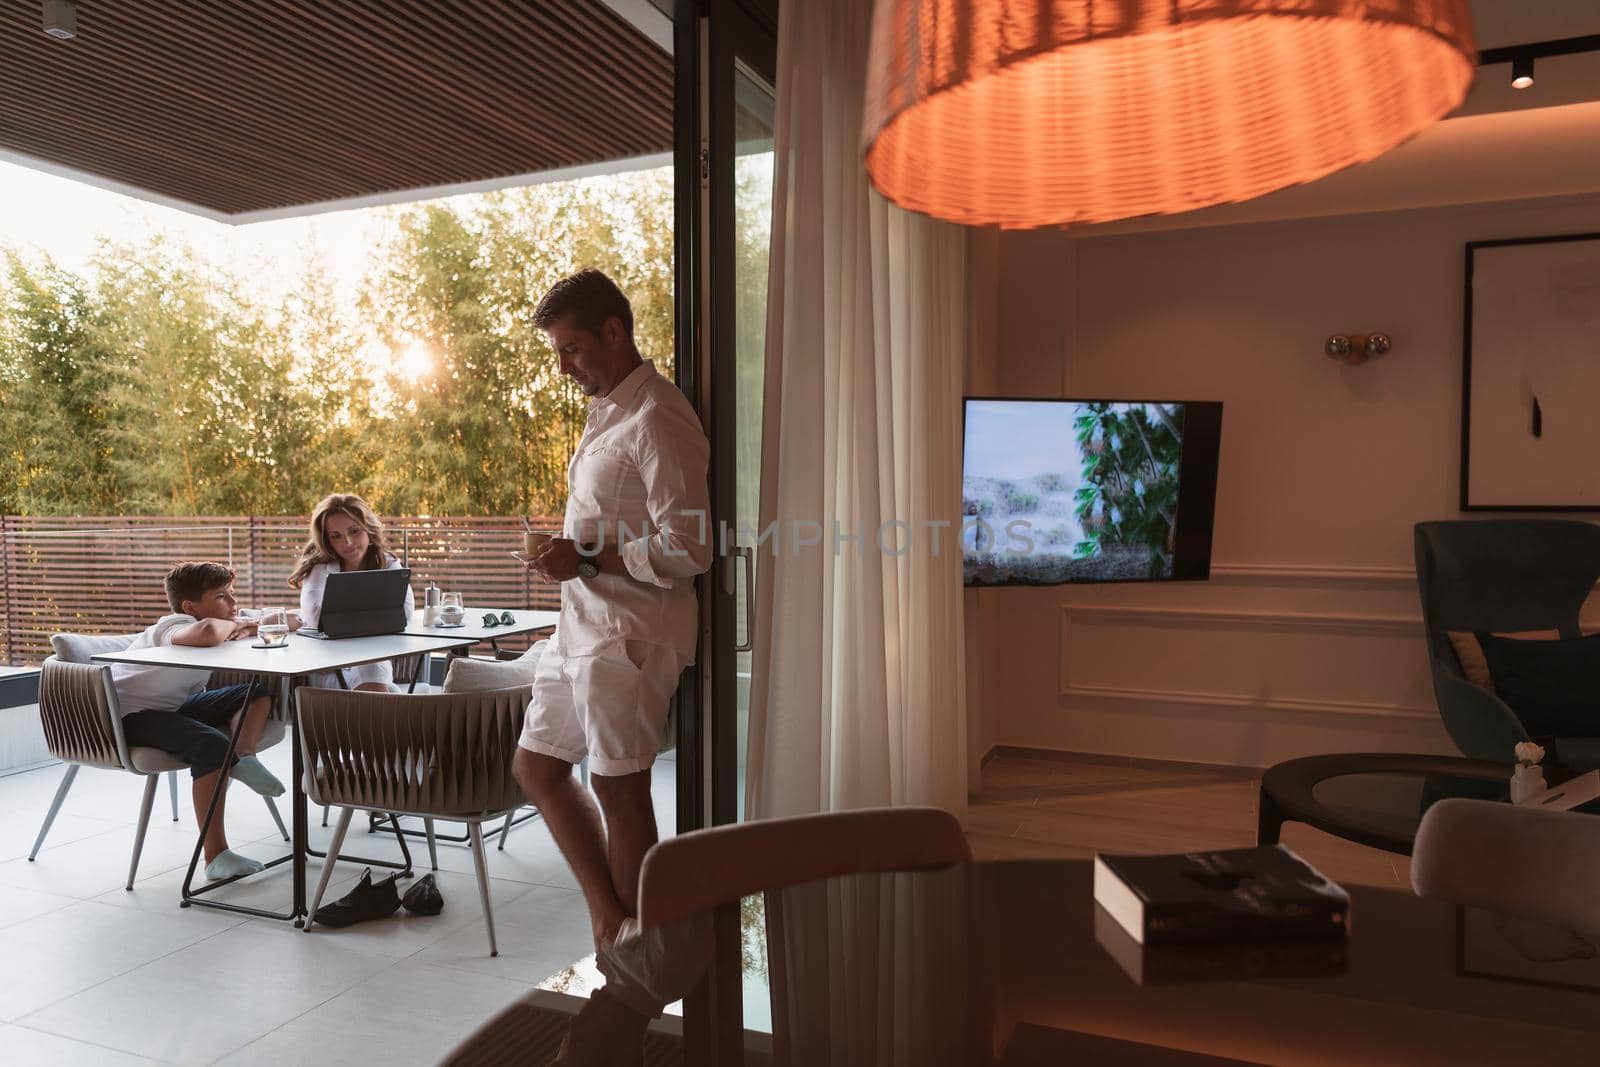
(1530, 400)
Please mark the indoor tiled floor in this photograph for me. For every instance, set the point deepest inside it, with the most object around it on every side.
(91, 973)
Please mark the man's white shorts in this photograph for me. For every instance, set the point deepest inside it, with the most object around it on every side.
(609, 704)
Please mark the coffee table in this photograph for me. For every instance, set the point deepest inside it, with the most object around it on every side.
(1373, 798)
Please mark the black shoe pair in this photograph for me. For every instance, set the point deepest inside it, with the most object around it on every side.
(424, 898)
(379, 900)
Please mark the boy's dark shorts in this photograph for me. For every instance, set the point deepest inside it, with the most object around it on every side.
(196, 731)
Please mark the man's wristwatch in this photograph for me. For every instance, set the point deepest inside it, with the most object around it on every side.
(587, 567)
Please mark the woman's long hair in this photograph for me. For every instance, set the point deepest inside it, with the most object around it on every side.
(316, 549)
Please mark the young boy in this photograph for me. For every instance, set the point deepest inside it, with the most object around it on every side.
(169, 708)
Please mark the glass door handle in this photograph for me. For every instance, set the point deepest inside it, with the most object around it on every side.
(730, 585)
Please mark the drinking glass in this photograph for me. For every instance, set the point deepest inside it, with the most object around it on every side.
(273, 629)
(450, 609)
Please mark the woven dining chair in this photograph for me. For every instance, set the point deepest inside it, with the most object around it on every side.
(82, 723)
(409, 672)
(432, 756)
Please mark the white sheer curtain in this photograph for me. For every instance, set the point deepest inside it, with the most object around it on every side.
(858, 695)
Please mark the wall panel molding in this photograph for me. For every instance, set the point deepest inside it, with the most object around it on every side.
(1211, 699)
(1296, 573)
(1248, 618)
(1288, 622)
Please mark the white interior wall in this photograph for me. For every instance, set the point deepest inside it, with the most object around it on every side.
(1308, 637)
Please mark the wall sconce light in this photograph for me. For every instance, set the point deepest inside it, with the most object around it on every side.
(1356, 349)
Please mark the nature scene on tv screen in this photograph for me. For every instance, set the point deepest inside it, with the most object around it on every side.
(1058, 491)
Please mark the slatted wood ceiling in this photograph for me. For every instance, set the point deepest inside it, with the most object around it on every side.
(254, 105)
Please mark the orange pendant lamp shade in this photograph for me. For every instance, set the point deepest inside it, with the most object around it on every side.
(1028, 113)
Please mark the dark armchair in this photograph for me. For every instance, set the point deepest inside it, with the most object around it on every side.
(1502, 575)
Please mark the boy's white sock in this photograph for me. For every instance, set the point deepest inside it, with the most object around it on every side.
(229, 864)
(253, 773)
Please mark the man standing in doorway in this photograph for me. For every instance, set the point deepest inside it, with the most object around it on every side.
(634, 537)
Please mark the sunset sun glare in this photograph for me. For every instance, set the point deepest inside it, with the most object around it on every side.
(415, 360)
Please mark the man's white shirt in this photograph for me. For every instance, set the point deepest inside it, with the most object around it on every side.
(637, 481)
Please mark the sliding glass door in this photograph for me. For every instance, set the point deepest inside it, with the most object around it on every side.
(725, 218)
(726, 55)
(744, 379)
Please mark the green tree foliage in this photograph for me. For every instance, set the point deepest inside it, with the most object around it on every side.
(753, 220)
(1129, 494)
(55, 419)
(155, 384)
(334, 390)
(491, 428)
(206, 415)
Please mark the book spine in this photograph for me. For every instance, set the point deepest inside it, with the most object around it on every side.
(1174, 926)
(1288, 958)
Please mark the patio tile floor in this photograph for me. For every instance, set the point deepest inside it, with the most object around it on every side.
(93, 973)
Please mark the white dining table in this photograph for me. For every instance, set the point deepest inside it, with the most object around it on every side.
(472, 625)
(298, 658)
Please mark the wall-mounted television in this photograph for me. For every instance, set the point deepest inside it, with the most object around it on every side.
(1058, 491)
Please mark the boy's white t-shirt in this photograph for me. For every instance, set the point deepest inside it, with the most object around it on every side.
(144, 688)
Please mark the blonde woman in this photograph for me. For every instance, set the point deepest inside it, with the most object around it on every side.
(345, 536)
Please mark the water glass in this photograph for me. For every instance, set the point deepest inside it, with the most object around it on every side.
(450, 610)
(273, 629)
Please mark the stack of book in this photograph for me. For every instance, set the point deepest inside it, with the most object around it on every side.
(1239, 913)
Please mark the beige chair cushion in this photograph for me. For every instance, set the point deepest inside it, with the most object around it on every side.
(82, 648)
(154, 761)
(1473, 664)
(467, 675)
